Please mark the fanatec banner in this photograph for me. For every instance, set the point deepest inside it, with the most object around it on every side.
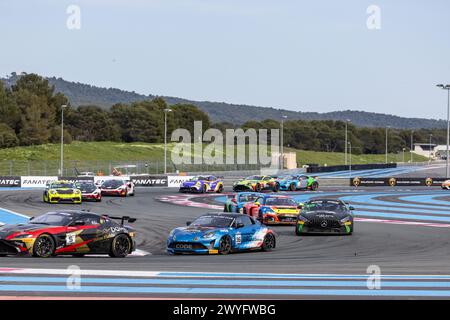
(149, 181)
(6, 182)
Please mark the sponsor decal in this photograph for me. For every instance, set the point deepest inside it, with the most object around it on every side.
(98, 180)
(396, 182)
(36, 181)
(9, 182)
(77, 179)
(150, 181)
(176, 181)
(392, 182)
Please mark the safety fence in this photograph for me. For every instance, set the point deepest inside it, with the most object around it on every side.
(73, 168)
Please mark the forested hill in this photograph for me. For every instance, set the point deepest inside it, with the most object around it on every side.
(84, 94)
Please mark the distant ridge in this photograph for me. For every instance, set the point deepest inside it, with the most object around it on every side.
(84, 94)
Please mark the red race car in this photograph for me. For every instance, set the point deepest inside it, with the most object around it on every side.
(273, 209)
(69, 232)
(89, 191)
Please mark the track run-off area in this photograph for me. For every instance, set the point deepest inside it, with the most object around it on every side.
(405, 232)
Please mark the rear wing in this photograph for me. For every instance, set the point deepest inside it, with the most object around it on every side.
(123, 219)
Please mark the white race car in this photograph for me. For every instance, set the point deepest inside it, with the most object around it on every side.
(117, 187)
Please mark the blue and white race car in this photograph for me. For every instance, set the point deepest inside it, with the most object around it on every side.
(296, 182)
(221, 233)
(202, 184)
(235, 203)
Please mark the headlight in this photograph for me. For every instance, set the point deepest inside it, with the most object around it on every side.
(77, 191)
(23, 236)
(209, 235)
(53, 192)
(346, 219)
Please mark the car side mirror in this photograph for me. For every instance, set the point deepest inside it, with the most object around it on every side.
(31, 218)
(188, 223)
(239, 225)
(78, 223)
(351, 208)
(257, 204)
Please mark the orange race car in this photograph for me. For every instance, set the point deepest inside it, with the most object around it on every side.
(273, 209)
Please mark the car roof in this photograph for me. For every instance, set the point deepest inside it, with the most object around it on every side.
(223, 214)
(325, 199)
(275, 196)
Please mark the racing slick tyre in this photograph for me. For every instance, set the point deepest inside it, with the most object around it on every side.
(203, 189)
(120, 246)
(220, 189)
(44, 246)
(2, 255)
(225, 245)
(268, 242)
(292, 187)
(125, 194)
(258, 187)
(314, 186)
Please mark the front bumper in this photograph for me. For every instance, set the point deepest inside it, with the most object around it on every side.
(113, 192)
(91, 196)
(192, 247)
(65, 198)
(279, 219)
(8, 247)
(305, 227)
(243, 187)
(189, 189)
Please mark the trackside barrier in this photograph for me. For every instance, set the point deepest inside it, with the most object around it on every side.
(395, 182)
(176, 181)
(318, 169)
(43, 181)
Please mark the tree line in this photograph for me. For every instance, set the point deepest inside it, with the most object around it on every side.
(329, 136)
(30, 114)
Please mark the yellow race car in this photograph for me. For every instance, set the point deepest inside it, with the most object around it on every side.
(62, 191)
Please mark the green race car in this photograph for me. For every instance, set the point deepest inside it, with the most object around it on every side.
(61, 191)
(256, 183)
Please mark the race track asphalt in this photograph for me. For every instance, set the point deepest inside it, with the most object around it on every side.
(398, 249)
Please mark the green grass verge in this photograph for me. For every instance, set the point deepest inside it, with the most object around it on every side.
(101, 156)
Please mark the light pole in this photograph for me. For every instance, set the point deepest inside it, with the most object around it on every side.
(429, 146)
(403, 155)
(447, 87)
(62, 139)
(350, 150)
(165, 138)
(387, 144)
(411, 148)
(282, 142)
(346, 138)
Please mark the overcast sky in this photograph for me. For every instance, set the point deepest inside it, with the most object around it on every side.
(298, 55)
